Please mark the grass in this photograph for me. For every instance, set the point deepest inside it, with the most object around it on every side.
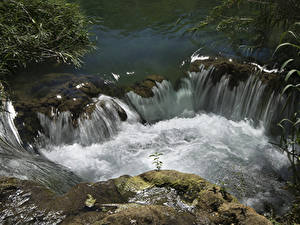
(252, 24)
(35, 31)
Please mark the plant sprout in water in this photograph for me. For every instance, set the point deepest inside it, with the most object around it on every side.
(156, 160)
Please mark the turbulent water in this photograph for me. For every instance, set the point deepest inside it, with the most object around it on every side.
(211, 130)
(251, 99)
(226, 149)
(231, 153)
(22, 163)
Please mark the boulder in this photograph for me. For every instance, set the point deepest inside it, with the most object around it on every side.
(155, 197)
(238, 72)
(55, 93)
(144, 87)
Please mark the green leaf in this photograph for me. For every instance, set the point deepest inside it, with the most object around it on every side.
(297, 122)
(283, 120)
(290, 74)
(289, 86)
(286, 44)
(286, 88)
(286, 63)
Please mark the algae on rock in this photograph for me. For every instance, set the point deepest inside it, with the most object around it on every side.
(155, 197)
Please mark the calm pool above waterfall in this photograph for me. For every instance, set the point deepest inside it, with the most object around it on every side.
(136, 38)
(140, 37)
(221, 138)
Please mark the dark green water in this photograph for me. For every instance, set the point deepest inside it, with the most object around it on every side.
(142, 37)
(137, 38)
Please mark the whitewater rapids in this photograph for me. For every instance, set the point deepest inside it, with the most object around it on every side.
(233, 154)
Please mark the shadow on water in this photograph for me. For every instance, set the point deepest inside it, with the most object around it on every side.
(138, 37)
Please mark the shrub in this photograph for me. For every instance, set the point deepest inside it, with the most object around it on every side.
(34, 31)
(290, 139)
(250, 24)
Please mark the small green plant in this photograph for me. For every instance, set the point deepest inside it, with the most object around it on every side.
(156, 160)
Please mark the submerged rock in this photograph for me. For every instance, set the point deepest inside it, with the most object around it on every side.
(155, 197)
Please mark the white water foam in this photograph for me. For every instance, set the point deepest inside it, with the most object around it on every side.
(8, 130)
(16, 161)
(94, 127)
(234, 154)
(251, 99)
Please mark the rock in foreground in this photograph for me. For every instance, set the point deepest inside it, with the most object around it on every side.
(164, 197)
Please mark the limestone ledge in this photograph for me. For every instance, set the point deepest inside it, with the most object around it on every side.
(154, 197)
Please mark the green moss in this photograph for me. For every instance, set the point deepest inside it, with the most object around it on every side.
(127, 186)
(108, 201)
(144, 87)
(188, 185)
(90, 201)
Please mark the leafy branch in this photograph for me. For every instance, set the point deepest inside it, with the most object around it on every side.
(34, 31)
(290, 138)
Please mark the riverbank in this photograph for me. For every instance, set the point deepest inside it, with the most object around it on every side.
(164, 197)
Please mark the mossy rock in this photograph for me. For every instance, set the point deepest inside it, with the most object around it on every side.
(59, 92)
(144, 88)
(149, 215)
(117, 201)
(238, 72)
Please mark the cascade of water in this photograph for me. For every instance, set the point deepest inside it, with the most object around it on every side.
(16, 161)
(250, 99)
(166, 102)
(95, 127)
(9, 135)
(220, 150)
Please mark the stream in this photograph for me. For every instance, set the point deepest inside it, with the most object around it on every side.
(212, 130)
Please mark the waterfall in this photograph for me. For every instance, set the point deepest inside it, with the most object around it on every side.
(16, 161)
(108, 140)
(234, 154)
(9, 135)
(92, 127)
(251, 99)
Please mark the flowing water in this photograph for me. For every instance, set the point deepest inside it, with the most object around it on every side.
(233, 151)
(229, 149)
(208, 129)
(16, 161)
(233, 154)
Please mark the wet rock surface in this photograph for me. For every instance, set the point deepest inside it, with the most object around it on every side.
(144, 88)
(155, 197)
(61, 92)
(55, 93)
(238, 72)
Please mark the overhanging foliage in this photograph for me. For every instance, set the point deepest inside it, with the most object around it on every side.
(33, 31)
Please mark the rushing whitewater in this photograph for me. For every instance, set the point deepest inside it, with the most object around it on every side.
(16, 161)
(183, 124)
(233, 154)
(251, 99)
